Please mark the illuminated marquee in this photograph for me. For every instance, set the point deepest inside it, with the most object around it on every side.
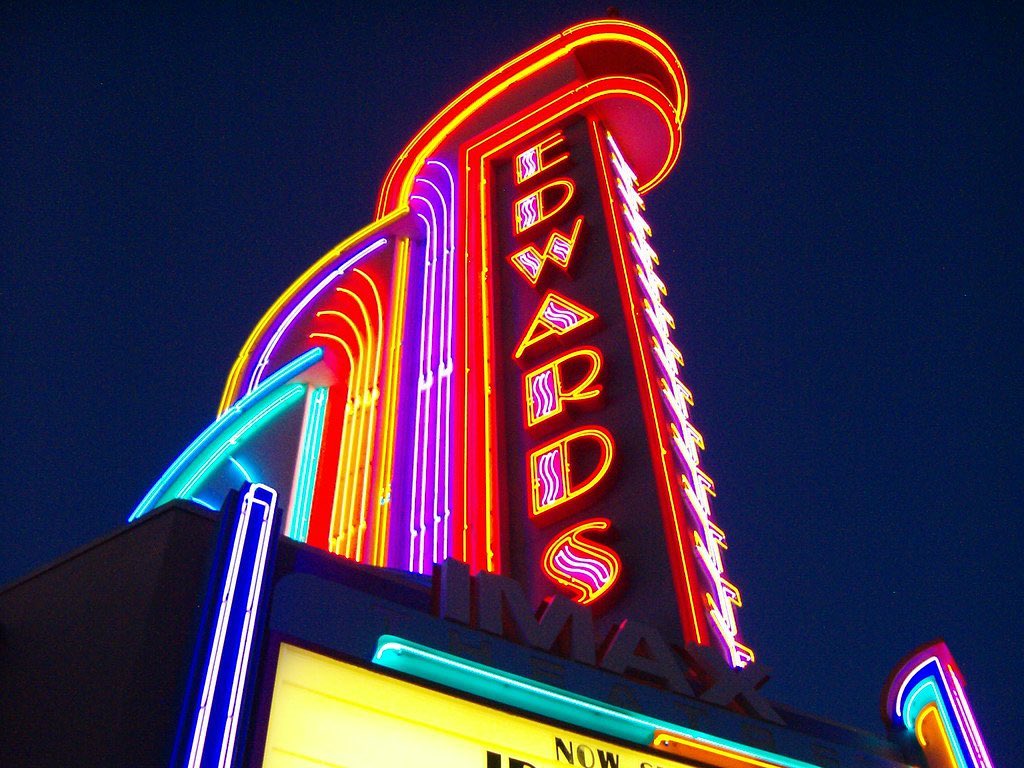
(486, 372)
(328, 712)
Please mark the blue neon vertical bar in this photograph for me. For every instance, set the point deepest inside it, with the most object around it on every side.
(215, 713)
(309, 460)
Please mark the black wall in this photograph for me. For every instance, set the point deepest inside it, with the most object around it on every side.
(95, 649)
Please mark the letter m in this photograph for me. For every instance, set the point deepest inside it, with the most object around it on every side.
(502, 610)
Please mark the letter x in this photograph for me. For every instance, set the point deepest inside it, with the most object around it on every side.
(727, 684)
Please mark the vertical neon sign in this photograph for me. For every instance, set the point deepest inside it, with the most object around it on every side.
(480, 377)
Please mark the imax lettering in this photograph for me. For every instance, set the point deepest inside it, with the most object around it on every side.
(502, 610)
(633, 649)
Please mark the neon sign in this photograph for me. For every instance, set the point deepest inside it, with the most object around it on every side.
(492, 356)
(545, 389)
(556, 316)
(555, 485)
(531, 162)
(559, 249)
(585, 567)
(926, 697)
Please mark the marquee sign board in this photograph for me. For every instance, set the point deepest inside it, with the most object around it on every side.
(439, 681)
(327, 712)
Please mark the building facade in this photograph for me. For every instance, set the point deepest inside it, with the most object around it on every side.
(453, 509)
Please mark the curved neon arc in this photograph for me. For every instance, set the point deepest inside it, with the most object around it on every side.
(285, 324)
(379, 226)
(288, 371)
(277, 402)
(547, 53)
(210, 447)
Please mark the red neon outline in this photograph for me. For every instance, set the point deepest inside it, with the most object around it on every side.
(587, 46)
(583, 40)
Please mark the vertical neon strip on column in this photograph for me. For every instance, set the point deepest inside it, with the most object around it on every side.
(306, 465)
(213, 727)
(430, 514)
(366, 450)
(344, 495)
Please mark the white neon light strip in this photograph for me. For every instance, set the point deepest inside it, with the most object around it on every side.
(430, 492)
(686, 441)
(249, 623)
(217, 648)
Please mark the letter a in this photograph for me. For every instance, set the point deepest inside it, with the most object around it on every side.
(555, 317)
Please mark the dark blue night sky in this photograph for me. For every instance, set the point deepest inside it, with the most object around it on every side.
(842, 241)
